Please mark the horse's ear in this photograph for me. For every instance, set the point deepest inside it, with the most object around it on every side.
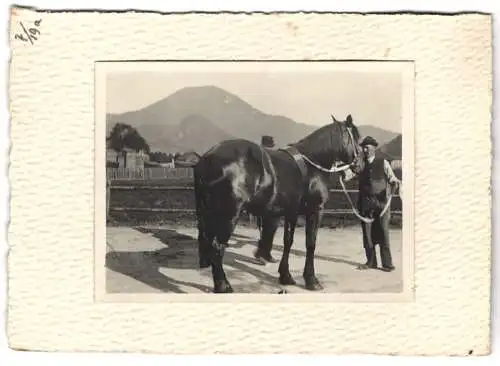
(349, 120)
(333, 118)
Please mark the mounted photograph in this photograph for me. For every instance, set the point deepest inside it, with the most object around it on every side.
(287, 180)
(293, 186)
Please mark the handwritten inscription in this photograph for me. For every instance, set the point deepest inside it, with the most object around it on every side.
(30, 33)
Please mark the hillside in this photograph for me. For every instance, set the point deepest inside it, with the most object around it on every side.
(379, 134)
(394, 148)
(196, 118)
(195, 132)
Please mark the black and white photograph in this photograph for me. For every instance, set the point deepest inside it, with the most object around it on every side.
(250, 183)
(254, 178)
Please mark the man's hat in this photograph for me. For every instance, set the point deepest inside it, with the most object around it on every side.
(368, 140)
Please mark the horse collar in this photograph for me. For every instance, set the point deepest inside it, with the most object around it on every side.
(299, 159)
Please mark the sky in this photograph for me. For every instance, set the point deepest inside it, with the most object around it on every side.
(372, 98)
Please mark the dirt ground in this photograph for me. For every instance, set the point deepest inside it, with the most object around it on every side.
(164, 259)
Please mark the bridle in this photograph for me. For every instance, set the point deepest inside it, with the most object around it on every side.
(335, 168)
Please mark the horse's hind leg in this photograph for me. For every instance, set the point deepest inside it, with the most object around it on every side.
(225, 225)
(258, 220)
(284, 270)
(205, 237)
(263, 253)
(205, 248)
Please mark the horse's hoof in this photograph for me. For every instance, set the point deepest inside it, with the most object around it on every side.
(223, 288)
(312, 284)
(287, 280)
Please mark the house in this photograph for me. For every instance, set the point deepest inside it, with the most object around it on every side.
(170, 164)
(126, 158)
(152, 164)
(155, 164)
(111, 157)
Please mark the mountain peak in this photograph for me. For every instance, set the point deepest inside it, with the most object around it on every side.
(204, 91)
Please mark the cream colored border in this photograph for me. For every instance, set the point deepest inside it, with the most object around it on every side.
(51, 303)
(406, 70)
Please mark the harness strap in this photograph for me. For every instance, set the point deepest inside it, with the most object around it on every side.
(299, 159)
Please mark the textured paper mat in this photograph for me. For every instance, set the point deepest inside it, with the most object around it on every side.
(52, 175)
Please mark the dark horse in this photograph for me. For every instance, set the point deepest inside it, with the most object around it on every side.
(238, 175)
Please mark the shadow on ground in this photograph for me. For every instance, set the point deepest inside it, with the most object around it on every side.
(181, 253)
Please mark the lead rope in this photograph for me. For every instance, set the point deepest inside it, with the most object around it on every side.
(364, 219)
(333, 169)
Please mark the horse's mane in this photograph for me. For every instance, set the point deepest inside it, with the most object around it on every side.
(325, 140)
(355, 133)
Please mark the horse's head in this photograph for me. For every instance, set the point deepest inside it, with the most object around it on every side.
(349, 150)
(336, 142)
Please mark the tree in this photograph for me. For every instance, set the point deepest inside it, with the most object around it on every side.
(160, 157)
(125, 136)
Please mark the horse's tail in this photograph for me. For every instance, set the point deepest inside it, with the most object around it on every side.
(201, 196)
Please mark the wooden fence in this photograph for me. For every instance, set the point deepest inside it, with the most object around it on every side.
(144, 180)
(149, 174)
(165, 173)
(192, 210)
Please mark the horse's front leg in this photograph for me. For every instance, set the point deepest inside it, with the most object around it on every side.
(312, 225)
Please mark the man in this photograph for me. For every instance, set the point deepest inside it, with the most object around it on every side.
(376, 181)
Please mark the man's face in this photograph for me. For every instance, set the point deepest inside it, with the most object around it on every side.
(369, 151)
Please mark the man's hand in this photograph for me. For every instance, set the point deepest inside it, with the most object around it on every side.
(396, 187)
(347, 174)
